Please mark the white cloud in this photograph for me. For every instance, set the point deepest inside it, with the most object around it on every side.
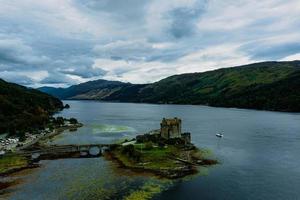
(212, 58)
(292, 57)
(134, 71)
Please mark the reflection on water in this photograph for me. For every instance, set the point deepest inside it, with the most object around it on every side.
(95, 134)
(259, 155)
(110, 129)
(94, 151)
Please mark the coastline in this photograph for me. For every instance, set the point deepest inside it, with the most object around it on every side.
(23, 162)
(163, 173)
(28, 163)
(58, 131)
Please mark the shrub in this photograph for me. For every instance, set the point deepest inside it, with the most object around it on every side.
(148, 146)
(59, 121)
(128, 149)
(73, 121)
(131, 152)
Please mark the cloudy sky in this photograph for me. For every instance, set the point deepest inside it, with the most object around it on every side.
(64, 42)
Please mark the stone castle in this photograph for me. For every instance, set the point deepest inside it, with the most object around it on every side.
(169, 133)
(171, 128)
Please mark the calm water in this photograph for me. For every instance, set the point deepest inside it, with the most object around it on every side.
(259, 155)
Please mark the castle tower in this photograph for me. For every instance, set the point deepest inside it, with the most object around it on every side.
(170, 128)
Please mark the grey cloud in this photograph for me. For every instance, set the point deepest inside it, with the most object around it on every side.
(14, 51)
(119, 72)
(265, 51)
(81, 65)
(16, 78)
(133, 10)
(85, 72)
(183, 19)
(57, 78)
(126, 50)
(140, 50)
(166, 57)
(116, 58)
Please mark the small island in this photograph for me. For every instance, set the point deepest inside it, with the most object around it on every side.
(167, 153)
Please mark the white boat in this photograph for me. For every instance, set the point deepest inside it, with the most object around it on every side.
(219, 135)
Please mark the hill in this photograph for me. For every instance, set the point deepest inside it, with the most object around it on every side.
(265, 86)
(98, 89)
(23, 109)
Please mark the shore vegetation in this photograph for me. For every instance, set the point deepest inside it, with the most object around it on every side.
(169, 161)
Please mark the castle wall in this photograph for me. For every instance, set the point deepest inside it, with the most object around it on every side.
(164, 131)
(186, 137)
(170, 128)
(175, 131)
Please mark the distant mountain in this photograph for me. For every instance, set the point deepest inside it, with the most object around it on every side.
(23, 109)
(265, 86)
(98, 89)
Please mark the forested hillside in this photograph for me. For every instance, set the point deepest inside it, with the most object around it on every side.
(23, 109)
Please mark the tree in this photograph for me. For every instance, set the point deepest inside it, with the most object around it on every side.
(22, 137)
(59, 121)
(131, 152)
(73, 121)
(128, 149)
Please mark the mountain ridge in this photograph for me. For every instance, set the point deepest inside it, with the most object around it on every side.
(225, 87)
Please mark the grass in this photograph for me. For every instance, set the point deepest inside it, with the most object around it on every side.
(124, 159)
(157, 158)
(170, 162)
(13, 162)
(154, 159)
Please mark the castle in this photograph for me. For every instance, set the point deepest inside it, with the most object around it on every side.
(171, 128)
(170, 132)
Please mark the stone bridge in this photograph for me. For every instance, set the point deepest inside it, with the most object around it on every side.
(67, 151)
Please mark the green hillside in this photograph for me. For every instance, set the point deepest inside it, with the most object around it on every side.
(266, 86)
(89, 90)
(23, 109)
(216, 86)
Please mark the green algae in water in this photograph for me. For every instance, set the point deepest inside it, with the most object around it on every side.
(93, 183)
(95, 180)
(206, 154)
(148, 190)
(107, 128)
(102, 183)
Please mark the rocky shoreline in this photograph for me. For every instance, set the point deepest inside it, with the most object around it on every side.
(161, 173)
